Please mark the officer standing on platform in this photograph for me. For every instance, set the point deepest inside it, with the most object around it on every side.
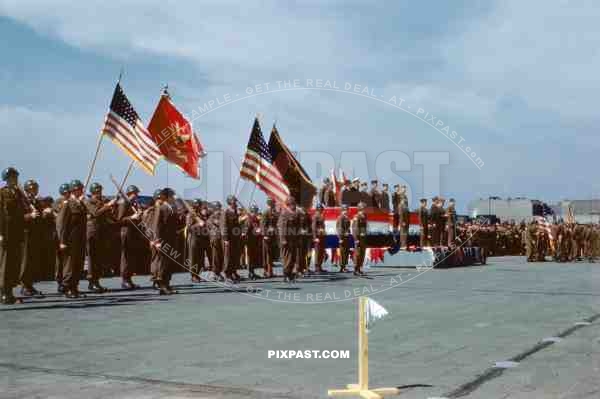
(451, 221)
(288, 239)
(385, 197)
(342, 226)
(231, 233)
(424, 222)
(97, 235)
(359, 232)
(318, 231)
(436, 221)
(268, 226)
(129, 217)
(71, 227)
(375, 197)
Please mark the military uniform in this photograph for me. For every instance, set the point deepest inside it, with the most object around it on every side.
(98, 240)
(13, 211)
(254, 241)
(451, 224)
(359, 233)
(72, 232)
(216, 242)
(318, 231)
(268, 226)
(424, 223)
(342, 226)
(288, 240)
(165, 228)
(60, 254)
(304, 239)
(132, 240)
(198, 243)
(33, 243)
(231, 231)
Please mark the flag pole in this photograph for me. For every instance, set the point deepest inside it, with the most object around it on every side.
(126, 175)
(98, 146)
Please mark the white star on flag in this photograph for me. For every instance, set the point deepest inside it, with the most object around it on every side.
(374, 311)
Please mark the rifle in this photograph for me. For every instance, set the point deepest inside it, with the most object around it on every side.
(122, 194)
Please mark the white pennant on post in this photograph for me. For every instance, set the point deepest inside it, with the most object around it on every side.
(374, 311)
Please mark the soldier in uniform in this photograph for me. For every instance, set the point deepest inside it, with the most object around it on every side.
(385, 197)
(435, 215)
(198, 239)
(304, 239)
(326, 194)
(375, 197)
(148, 217)
(401, 214)
(71, 227)
(359, 232)
(365, 196)
(253, 233)
(231, 233)
(97, 235)
(129, 218)
(451, 221)
(216, 241)
(532, 242)
(65, 193)
(48, 238)
(14, 212)
(424, 222)
(288, 238)
(31, 264)
(268, 226)
(318, 231)
(342, 227)
(165, 229)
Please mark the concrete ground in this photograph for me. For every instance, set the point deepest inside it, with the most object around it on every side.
(445, 328)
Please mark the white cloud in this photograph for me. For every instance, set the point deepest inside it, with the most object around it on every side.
(544, 52)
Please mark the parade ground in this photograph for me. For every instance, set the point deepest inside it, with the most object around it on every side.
(446, 329)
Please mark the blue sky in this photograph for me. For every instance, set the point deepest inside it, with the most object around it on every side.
(518, 80)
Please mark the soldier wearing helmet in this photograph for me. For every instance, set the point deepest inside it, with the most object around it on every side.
(197, 240)
(253, 237)
(304, 239)
(72, 236)
(98, 235)
(288, 238)
(268, 227)
(165, 230)
(216, 241)
(318, 236)
(359, 233)
(129, 218)
(34, 241)
(231, 232)
(65, 192)
(14, 213)
(343, 232)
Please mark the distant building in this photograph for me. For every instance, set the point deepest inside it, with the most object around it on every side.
(510, 209)
(584, 211)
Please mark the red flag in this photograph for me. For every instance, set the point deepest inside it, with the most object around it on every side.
(175, 138)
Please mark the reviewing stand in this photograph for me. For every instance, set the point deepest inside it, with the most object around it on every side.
(362, 388)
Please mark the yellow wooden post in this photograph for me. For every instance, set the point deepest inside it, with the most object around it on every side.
(362, 388)
(363, 345)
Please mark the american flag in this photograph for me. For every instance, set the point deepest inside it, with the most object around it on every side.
(124, 127)
(258, 167)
